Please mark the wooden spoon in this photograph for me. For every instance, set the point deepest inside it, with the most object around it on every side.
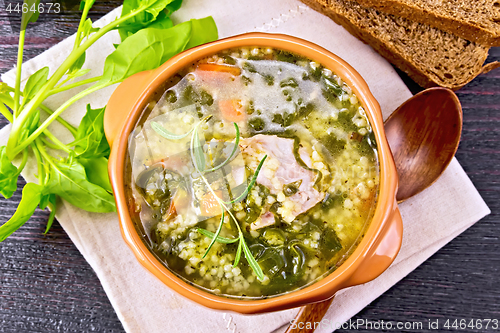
(423, 133)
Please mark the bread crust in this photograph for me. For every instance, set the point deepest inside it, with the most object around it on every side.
(422, 75)
(453, 23)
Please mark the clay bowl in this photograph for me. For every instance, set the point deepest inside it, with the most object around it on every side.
(372, 256)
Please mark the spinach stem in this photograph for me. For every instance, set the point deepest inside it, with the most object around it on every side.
(7, 101)
(83, 18)
(74, 85)
(44, 153)
(5, 112)
(23, 162)
(55, 115)
(51, 217)
(17, 91)
(46, 132)
(61, 83)
(74, 143)
(4, 87)
(63, 122)
(49, 144)
(39, 162)
(57, 143)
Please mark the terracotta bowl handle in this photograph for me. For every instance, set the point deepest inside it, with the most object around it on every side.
(122, 102)
(381, 256)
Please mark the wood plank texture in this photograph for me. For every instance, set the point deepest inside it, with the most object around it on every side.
(47, 286)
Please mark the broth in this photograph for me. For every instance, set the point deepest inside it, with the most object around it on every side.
(276, 144)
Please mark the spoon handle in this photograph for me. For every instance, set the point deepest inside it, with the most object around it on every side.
(311, 313)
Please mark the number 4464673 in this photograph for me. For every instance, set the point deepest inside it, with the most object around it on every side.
(48, 7)
(475, 324)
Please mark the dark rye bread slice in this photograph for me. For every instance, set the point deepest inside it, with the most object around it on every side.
(431, 57)
(475, 20)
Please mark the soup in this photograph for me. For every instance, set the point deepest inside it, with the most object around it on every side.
(253, 173)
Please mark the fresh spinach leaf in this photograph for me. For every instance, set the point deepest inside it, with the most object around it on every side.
(6, 112)
(150, 47)
(162, 22)
(6, 100)
(147, 49)
(5, 88)
(30, 125)
(31, 198)
(84, 31)
(29, 16)
(88, 29)
(143, 19)
(97, 171)
(8, 175)
(35, 82)
(46, 199)
(69, 181)
(52, 205)
(90, 140)
(156, 6)
(202, 31)
(89, 3)
(173, 7)
(76, 66)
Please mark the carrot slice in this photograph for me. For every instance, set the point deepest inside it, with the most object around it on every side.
(209, 206)
(232, 110)
(219, 68)
(178, 204)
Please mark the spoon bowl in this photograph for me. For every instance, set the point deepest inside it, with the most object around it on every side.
(423, 133)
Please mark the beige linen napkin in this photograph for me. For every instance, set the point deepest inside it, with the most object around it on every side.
(142, 302)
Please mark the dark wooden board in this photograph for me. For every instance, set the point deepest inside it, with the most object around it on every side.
(47, 286)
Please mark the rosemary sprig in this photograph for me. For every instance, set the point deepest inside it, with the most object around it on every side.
(166, 134)
(220, 239)
(238, 255)
(237, 141)
(199, 162)
(216, 236)
(242, 244)
(197, 154)
(252, 183)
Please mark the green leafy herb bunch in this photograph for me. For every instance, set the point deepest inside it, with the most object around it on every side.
(77, 172)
